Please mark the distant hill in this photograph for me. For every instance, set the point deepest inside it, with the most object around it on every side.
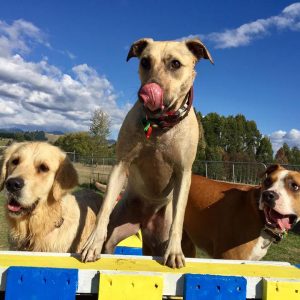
(16, 129)
(56, 132)
(12, 129)
(18, 134)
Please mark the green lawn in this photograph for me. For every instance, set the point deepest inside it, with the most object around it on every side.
(287, 250)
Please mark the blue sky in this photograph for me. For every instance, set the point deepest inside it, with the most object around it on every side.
(59, 60)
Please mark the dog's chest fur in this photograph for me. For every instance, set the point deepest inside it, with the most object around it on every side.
(154, 163)
(151, 174)
(261, 247)
(40, 231)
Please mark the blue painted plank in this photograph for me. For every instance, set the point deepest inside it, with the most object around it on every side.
(122, 250)
(29, 283)
(214, 287)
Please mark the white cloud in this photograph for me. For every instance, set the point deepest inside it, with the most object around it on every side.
(19, 36)
(288, 19)
(39, 95)
(292, 138)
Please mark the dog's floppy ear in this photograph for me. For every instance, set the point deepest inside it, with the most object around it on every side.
(66, 178)
(198, 49)
(4, 160)
(137, 48)
(270, 169)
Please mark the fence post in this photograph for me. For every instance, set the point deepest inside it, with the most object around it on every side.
(74, 156)
(206, 173)
(233, 173)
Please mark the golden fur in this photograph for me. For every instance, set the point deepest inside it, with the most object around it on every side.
(50, 219)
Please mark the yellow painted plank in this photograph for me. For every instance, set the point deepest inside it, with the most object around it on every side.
(133, 241)
(281, 290)
(130, 287)
(139, 264)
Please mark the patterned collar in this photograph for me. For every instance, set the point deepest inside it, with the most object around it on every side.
(168, 118)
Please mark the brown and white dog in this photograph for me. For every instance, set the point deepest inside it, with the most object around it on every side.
(234, 221)
(42, 215)
(156, 148)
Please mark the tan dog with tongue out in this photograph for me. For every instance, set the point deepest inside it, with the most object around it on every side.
(156, 148)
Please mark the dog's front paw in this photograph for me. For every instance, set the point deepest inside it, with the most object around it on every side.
(92, 248)
(174, 257)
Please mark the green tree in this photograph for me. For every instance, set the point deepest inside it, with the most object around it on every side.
(283, 155)
(241, 138)
(264, 151)
(100, 126)
(213, 126)
(202, 143)
(295, 156)
(252, 139)
(233, 136)
(287, 152)
(19, 137)
(80, 142)
(214, 153)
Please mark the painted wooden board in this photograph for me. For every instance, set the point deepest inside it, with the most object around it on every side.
(130, 287)
(280, 289)
(123, 250)
(214, 287)
(41, 283)
(150, 264)
(143, 265)
(133, 241)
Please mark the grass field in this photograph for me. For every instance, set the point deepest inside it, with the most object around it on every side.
(4, 141)
(287, 250)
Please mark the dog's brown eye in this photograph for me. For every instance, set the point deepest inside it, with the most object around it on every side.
(294, 186)
(15, 161)
(43, 168)
(175, 64)
(145, 63)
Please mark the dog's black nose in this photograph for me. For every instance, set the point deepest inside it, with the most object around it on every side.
(14, 184)
(269, 197)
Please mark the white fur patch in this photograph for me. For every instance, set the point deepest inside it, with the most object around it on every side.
(283, 205)
(261, 247)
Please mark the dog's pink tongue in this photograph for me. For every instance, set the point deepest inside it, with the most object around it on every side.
(13, 206)
(152, 96)
(284, 223)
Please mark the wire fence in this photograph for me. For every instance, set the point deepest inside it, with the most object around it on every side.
(237, 172)
(96, 168)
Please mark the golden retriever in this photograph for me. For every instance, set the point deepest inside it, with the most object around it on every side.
(42, 214)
